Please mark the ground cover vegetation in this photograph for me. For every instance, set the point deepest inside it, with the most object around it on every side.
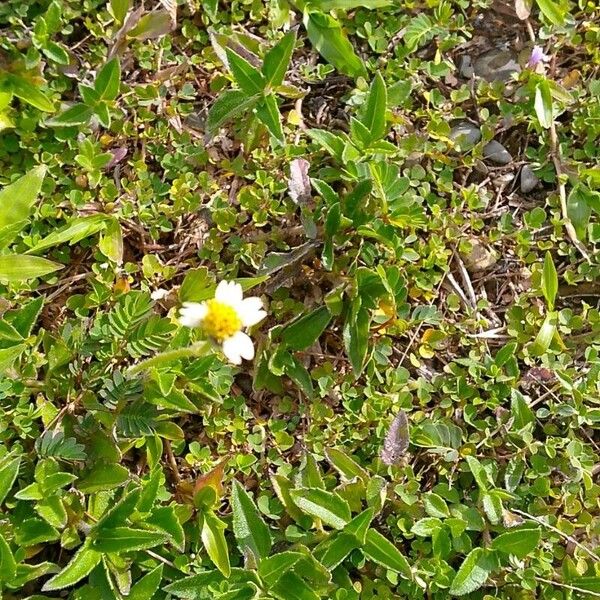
(299, 300)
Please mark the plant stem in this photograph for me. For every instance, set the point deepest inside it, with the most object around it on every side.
(196, 350)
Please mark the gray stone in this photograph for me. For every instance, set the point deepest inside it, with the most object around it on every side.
(465, 134)
(496, 65)
(497, 153)
(528, 179)
(466, 67)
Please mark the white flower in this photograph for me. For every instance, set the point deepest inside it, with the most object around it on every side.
(224, 317)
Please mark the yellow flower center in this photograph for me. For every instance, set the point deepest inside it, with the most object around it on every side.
(221, 320)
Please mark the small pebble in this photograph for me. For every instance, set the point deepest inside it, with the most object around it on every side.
(496, 65)
(466, 67)
(465, 135)
(529, 179)
(497, 153)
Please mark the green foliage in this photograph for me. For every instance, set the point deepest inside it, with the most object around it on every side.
(421, 417)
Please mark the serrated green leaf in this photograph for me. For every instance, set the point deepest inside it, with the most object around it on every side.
(473, 573)
(213, 538)
(277, 59)
(127, 539)
(519, 542)
(249, 528)
(75, 231)
(81, 564)
(250, 79)
(330, 41)
(306, 330)
(20, 267)
(268, 113)
(380, 550)
(30, 93)
(108, 80)
(228, 105)
(8, 474)
(78, 114)
(8, 565)
(554, 12)
(146, 587)
(321, 504)
(18, 198)
(373, 115)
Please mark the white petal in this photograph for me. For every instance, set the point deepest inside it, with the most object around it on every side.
(251, 311)
(229, 292)
(238, 346)
(192, 314)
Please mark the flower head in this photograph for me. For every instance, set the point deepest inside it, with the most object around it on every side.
(537, 57)
(224, 317)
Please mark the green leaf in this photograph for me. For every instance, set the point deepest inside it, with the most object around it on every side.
(519, 542)
(306, 330)
(277, 59)
(326, 506)
(18, 198)
(328, 5)
(333, 143)
(108, 80)
(543, 104)
(250, 79)
(9, 355)
(8, 565)
(56, 53)
(373, 117)
(146, 587)
(118, 9)
(579, 211)
(81, 564)
(268, 112)
(127, 539)
(346, 466)
(78, 114)
(103, 477)
(514, 473)
(522, 414)
(492, 505)
(8, 474)
(473, 572)
(270, 569)
(77, 230)
(20, 267)
(250, 530)
(111, 241)
(435, 506)
(229, 104)
(549, 281)
(152, 25)
(356, 338)
(30, 93)
(291, 587)
(380, 550)
(213, 538)
(545, 335)
(553, 11)
(419, 31)
(26, 317)
(330, 41)
(165, 519)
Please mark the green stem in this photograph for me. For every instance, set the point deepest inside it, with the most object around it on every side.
(196, 350)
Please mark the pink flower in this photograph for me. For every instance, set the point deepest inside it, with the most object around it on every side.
(537, 57)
